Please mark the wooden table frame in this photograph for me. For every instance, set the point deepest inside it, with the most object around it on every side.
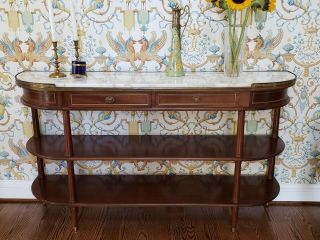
(257, 97)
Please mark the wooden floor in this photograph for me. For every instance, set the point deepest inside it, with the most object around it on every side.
(35, 222)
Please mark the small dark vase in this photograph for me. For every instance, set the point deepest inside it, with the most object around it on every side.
(79, 68)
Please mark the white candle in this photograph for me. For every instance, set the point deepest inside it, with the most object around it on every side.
(73, 21)
(52, 24)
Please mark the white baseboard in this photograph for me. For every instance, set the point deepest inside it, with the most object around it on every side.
(299, 193)
(16, 190)
(289, 192)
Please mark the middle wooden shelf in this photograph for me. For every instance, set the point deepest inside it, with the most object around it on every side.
(156, 147)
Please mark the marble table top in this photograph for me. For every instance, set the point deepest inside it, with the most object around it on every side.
(156, 80)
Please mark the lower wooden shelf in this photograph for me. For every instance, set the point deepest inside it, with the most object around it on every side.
(155, 190)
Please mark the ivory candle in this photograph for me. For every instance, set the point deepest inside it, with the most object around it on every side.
(73, 21)
(52, 23)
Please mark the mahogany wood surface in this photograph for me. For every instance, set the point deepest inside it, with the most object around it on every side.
(237, 169)
(274, 135)
(115, 99)
(158, 190)
(157, 147)
(68, 151)
(35, 222)
(232, 191)
(219, 99)
(37, 134)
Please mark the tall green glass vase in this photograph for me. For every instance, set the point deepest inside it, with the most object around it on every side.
(175, 66)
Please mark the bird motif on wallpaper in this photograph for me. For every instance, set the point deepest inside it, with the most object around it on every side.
(37, 50)
(150, 48)
(246, 53)
(265, 46)
(5, 103)
(96, 4)
(2, 111)
(124, 49)
(14, 169)
(12, 51)
(19, 149)
(4, 78)
(58, 4)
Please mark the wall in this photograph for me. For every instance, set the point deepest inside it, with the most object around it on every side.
(289, 40)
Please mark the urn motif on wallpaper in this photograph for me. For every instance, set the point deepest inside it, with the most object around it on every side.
(135, 35)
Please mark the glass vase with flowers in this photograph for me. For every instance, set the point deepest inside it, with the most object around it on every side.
(238, 13)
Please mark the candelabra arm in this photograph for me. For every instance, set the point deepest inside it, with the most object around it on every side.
(76, 48)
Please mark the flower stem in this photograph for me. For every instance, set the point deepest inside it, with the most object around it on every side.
(236, 38)
(243, 27)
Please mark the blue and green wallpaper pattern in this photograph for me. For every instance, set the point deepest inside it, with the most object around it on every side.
(134, 35)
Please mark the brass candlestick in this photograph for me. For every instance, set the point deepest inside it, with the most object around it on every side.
(79, 67)
(56, 73)
(76, 48)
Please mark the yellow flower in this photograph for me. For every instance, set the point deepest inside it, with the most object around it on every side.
(238, 4)
(271, 5)
(265, 5)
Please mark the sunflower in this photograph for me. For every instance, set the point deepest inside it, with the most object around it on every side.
(265, 5)
(269, 5)
(238, 4)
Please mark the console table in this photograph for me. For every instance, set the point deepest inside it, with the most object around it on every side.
(155, 91)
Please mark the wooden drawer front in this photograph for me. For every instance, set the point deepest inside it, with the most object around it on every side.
(110, 99)
(269, 97)
(40, 99)
(194, 99)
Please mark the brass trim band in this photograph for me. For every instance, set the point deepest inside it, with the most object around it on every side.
(79, 65)
(78, 75)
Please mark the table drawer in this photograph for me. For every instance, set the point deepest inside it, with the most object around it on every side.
(127, 100)
(195, 99)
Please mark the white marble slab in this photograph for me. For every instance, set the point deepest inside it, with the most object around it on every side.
(156, 80)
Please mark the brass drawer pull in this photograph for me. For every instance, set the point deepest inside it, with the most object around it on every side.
(109, 100)
(196, 99)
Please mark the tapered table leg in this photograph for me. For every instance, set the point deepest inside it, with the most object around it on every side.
(40, 162)
(275, 134)
(71, 176)
(237, 169)
(74, 218)
(234, 221)
(72, 198)
(37, 134)
(236, 191)
(41, 177)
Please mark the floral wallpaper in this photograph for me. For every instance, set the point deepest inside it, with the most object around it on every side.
(134, 35)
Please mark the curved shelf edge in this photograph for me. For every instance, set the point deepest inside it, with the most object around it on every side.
(156, 147)
(155, 190)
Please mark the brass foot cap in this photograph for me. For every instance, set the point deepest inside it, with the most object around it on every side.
(57, 75)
